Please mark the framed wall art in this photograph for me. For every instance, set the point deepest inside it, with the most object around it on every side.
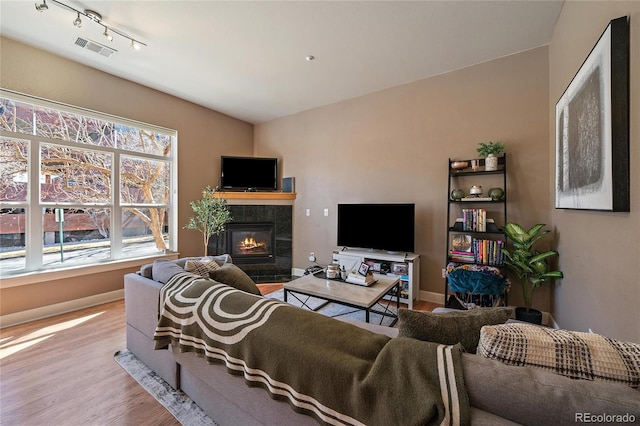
(592, 128)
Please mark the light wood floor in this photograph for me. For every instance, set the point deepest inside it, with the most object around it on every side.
(60, 371)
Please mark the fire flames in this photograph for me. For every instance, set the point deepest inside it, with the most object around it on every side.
(250, 244)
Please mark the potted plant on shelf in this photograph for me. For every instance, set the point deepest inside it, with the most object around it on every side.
(211, 215)
(530, 266)
(490, 151)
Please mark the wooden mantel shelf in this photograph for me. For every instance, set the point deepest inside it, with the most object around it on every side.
(256, 195)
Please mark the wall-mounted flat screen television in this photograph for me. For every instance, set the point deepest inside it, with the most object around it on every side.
(248, 173)
(389, 227)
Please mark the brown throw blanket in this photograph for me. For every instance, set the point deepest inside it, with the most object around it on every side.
(332, 370)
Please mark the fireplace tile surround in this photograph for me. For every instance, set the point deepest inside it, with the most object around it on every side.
(281, 215)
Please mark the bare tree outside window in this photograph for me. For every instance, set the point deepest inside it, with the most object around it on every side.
(78, 155)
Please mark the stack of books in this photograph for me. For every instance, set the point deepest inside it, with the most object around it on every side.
(356, 278)
(487, 252)
(462, 256)
(474, 220)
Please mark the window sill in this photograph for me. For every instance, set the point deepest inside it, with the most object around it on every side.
(36, 277)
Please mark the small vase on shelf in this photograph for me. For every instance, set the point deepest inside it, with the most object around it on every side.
(491, 163)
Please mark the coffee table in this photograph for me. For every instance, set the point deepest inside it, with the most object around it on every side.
(352, 295)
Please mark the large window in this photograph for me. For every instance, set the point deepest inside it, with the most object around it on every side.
(79, 187)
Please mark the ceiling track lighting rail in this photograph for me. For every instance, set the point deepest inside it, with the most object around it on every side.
(94, 17)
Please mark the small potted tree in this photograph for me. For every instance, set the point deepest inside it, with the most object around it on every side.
(211, 216)
(530, 266)
(491, 150)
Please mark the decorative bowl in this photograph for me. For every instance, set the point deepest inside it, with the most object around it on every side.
(496, 193)
(458, 165)
(457, 194)
(475, 190)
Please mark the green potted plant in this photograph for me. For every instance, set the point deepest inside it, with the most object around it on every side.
(490, 151)
(211, 215)
(529, 265)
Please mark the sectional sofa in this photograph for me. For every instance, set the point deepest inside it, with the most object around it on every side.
(498, 393)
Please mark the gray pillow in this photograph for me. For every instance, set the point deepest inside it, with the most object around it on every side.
(163, 270)
(519, 393)
(230, 274)
(450, 328)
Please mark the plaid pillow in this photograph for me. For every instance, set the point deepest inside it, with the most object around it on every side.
(574, 354)
(200, 267)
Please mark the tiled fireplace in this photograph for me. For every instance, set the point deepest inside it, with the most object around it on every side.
(251, 242)
(259, 241)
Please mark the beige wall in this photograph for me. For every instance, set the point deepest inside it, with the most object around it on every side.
(393, 146)
(203, 136)
(599, 252)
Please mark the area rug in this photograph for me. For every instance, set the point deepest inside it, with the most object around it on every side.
(187, 412)
(335, 309)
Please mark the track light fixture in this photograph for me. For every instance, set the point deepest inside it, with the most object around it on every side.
(78, 22)
(94, 17)
(42, 6)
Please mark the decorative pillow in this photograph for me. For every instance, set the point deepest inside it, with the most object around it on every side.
(230, 274)
(450, 328)
(147, 270)
(200, 267)
(163, 270)
(220, 259)
(574, 354)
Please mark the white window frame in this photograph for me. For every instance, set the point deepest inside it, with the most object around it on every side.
(34, 244)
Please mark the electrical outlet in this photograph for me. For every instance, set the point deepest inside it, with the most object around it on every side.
(312, 257)
(444, 273)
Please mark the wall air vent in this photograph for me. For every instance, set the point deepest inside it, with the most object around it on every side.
(95, 47)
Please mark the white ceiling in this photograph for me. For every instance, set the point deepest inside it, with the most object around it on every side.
(247, 59)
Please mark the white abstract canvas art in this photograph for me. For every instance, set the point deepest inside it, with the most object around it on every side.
(590, 136)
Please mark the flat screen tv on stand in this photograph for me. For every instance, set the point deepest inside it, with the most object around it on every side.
(388, 227)
(248, 173)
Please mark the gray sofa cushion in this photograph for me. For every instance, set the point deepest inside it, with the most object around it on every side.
(450, 328)
(163, 270)
(532, 396)
(230, 274)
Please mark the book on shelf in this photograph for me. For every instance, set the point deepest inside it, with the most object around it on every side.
(460, 220)
(356, 278)
(461, 256)
(392, 294)
(484, 252)
(488, 252)
(474, 220)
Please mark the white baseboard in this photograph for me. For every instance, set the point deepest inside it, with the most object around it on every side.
(432, 297)
(59, 308)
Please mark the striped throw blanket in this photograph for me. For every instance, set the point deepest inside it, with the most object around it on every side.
(339, 373)
(586, 356)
